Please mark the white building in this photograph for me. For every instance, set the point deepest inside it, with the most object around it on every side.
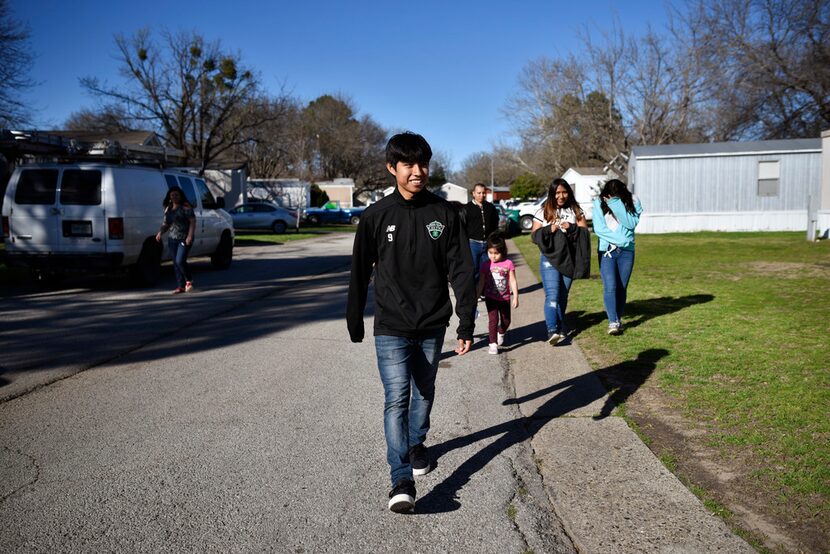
(339, 190)
(732, 186)
(586, 183)
(289, 193)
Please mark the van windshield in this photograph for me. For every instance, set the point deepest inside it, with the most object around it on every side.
(36, 186)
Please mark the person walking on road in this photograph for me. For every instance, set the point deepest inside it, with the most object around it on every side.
(616, 214)
(559, 214)
(480, 220)
(498, 284)
(180, 220)
(413, 242)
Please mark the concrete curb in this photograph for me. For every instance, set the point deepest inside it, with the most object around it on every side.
(610, 491)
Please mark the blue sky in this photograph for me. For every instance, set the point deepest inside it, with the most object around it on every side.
(444, 69)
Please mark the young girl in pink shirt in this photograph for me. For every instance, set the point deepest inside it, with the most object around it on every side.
(498, 283)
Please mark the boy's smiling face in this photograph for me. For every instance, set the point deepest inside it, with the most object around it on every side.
(411, 178)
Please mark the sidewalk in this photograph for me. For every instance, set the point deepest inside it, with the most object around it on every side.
(610, 491)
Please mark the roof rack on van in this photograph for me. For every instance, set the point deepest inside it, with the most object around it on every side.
(41, 146)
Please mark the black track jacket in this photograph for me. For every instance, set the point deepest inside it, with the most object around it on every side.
(415, 246)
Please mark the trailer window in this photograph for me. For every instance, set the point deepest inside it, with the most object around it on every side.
(36, 186)
(768, 174)
(81, 187)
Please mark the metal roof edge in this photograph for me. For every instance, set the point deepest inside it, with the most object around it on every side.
(785, 146)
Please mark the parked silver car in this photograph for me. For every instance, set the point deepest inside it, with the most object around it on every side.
(263, 215)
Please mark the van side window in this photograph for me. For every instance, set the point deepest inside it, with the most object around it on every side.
(36, 186)
(81, 187)
(208, 201)
(187, 187)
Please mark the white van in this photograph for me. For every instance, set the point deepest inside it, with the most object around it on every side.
(95, 216)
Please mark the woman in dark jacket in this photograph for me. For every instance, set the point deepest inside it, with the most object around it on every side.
(559, 214)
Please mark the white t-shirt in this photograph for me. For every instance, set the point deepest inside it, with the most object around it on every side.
(563, 215)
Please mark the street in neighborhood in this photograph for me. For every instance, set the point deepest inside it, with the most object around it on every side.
(241, 418)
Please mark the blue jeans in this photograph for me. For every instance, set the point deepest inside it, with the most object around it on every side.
(408, 368)
(479, 252)
(178, 252)
(556, 288)
(615, 268)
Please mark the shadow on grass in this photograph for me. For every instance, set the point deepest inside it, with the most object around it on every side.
(572, 394)
(638, 311)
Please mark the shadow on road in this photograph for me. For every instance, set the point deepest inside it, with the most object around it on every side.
(572, 394)
(87, 326)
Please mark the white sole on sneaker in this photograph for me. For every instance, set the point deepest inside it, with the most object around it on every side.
(555, 339)
(402, 503)
(422, 471)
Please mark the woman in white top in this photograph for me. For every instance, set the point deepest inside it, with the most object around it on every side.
(561, 214)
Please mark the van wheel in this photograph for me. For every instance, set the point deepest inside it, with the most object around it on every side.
(278, 227)
(526, 222)
(221, 259)
(147, 269)
(355, 219)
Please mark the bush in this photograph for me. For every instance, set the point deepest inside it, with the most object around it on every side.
(527, 185)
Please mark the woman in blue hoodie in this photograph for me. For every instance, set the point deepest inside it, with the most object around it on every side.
(616, 214)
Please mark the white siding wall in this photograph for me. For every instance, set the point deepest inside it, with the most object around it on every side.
(721, 192)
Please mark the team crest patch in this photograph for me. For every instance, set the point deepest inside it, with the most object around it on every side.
(436, 228)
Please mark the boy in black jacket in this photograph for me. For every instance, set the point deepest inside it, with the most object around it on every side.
(414, 242)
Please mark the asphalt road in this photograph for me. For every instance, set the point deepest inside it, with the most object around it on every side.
(241, 418)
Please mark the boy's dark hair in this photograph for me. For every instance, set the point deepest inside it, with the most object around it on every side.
(495, 240)
(408, 147)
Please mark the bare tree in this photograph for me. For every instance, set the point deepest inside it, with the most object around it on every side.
(271, 149)
(198, 96)
(766, 63)
(339, 144)
(502, 165)
(663, 92)
(440, 171)
(109, 119)
(15, 63)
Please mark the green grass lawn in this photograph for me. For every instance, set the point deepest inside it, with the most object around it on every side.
(251, 238)
(744, 319)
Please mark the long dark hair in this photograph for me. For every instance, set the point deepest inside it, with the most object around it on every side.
(550, 203)
(174, 188)
(617, 188)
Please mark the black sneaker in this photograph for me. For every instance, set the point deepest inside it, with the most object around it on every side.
(402, 497)
(419, 460)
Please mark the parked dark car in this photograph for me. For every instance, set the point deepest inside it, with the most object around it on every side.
(263, 215)
(333, 213)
